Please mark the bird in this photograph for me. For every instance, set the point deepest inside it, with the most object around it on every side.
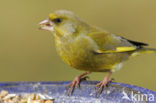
(89, 48)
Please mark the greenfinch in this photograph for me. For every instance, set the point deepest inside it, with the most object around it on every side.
(88, 48)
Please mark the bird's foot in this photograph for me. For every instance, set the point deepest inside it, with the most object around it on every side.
(103, 83)
(76, 82)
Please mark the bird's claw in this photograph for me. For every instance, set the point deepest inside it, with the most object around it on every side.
(75, 83)
(84, 78)
(102, 84)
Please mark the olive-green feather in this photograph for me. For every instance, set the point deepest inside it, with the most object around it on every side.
(110, 43)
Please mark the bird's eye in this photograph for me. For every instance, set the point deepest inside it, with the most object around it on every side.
(57, 20)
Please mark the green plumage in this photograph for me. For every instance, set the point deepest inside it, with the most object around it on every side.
(85, 47)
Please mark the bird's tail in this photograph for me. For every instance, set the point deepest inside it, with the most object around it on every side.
(143, 51)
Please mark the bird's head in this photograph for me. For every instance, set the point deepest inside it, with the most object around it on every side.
(62, 23)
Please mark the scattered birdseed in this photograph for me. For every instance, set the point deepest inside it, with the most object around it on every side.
(6, 97)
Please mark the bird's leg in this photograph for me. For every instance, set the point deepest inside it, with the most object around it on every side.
(104, 83)
(76, 82)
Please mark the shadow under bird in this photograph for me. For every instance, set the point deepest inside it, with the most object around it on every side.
(88, 48)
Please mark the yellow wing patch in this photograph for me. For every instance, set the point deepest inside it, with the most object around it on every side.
(118, 50)
(124, 49)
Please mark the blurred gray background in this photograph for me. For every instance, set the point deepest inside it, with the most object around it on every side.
(28, 54)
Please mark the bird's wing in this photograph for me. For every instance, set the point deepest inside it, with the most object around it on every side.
(111, 43)
(138, 44)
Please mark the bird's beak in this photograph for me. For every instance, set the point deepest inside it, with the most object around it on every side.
(46, 25)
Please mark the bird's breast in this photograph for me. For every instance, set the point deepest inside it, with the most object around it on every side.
(77, 52)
